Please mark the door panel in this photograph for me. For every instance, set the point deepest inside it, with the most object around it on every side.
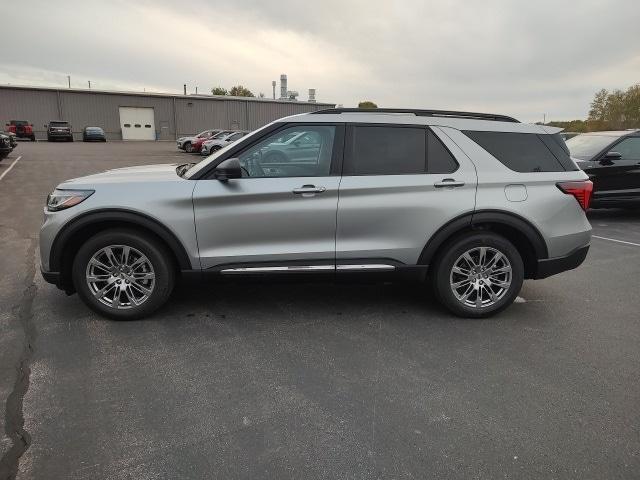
(393, 216)
(250, 220)
(618, 178)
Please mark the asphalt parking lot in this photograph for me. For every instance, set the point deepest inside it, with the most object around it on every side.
(312, 380)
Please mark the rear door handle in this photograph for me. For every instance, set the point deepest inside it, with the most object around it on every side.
(448, 183)
(308, 190)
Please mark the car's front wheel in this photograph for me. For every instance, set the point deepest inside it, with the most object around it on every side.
(188, 147)
(478, 275)
(123, 274)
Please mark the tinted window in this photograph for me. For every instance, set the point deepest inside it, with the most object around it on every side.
(521, 152)
(629, 148)
(386, 151)
(272, 158)
(558, 147)
(439, 159)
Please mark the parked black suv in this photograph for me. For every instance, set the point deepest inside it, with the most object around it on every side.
(612, 161)
(59, 129)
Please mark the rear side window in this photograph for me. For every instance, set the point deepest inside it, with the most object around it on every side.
(521, 152)
(439, 159)
(386, 151)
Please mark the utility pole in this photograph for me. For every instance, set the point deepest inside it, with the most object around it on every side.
(69, 80)
(89, 82)
(185, 88)
(273, 85)
(196, 89)
(544, 118)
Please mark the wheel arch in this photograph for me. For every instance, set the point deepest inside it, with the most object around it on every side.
(69, 239)
(525, 237)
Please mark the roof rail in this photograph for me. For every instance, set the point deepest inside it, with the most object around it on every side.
(420, 113)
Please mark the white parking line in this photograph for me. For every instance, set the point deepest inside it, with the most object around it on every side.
(10, 167)
(616, 240)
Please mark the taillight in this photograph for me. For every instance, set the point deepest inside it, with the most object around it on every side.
(581, 190)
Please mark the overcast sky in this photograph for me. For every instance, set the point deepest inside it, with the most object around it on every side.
(522, 58)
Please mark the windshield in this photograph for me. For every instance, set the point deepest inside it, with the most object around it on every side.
(585, 147)
(94, 129)
(19, 123)
(58, 124)
(211, 158)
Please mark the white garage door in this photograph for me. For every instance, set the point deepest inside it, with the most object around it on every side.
(137, 123)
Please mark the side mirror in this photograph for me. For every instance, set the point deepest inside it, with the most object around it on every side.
(230, 168)
(46, 125)
(610, 157)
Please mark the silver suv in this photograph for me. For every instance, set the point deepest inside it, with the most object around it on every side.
(471, 203)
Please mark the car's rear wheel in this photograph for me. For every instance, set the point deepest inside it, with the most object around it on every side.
(33, 138)
(478, 275)
(123, 274)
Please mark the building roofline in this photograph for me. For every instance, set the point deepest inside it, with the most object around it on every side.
(161, 95)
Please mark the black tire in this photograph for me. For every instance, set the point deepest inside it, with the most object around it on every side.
(33, 138)
(70, 139)
(49, 139)
(441, 274)
(155, 252)
(188, 147)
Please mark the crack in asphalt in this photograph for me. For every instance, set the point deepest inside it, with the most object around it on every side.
(14, 415)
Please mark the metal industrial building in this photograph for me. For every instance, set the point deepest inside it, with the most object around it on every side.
(152, 116)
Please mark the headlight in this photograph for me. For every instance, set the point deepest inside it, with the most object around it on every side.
(61, 199)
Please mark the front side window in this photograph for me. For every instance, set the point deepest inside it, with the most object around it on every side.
(276, 156)
(386, 151)
(629, 148)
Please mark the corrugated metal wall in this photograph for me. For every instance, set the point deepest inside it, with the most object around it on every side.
(190, 114)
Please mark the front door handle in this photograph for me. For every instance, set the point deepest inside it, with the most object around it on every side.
(308, 190)
(448, 183)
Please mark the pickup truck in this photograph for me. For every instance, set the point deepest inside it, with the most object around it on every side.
(21, 128)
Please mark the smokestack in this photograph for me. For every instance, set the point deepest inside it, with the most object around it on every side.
(273, 84)
(283, 86)
(312, 95)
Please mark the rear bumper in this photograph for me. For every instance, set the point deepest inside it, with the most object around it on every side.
(552, 266)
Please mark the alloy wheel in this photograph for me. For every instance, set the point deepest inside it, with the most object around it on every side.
(480, 277)
(120, 277)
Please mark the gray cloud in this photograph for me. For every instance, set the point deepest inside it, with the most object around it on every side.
(515, 57)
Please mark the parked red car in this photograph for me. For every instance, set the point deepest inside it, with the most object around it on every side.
(196, 145)
(22, 129)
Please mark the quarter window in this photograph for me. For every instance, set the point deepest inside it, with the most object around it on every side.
(521, 152)
(275, 156)
(629, 148)
(386, 151)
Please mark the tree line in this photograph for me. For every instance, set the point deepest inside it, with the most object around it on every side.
(615, 110)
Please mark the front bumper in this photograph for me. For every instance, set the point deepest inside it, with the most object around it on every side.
(552, 266)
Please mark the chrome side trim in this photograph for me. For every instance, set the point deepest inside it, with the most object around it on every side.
(377, 266)
(294, 268)
(306, 268)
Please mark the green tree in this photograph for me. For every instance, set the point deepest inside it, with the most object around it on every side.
(367, 104)
(219, 91)
(240, 91)
(598, 109)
